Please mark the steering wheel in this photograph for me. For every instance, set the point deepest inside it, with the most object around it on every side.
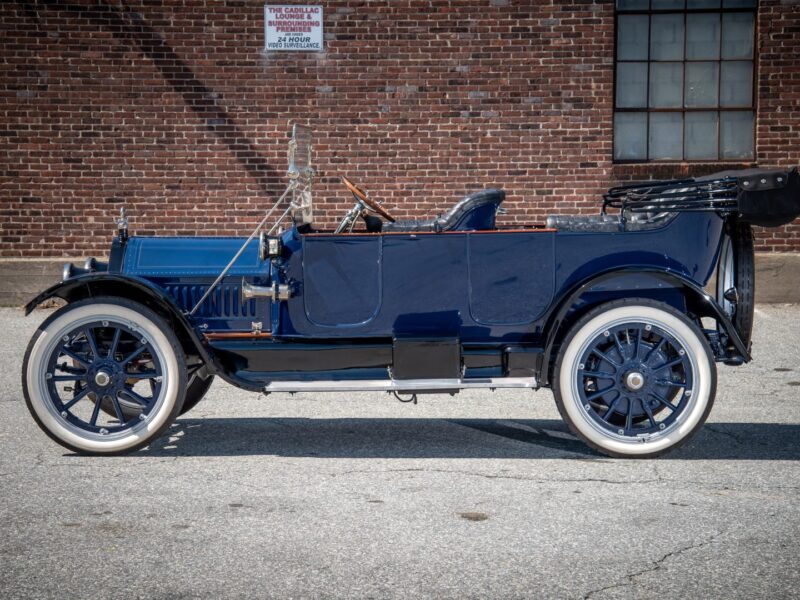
(366, 200)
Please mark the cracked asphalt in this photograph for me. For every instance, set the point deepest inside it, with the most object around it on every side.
(359, 496)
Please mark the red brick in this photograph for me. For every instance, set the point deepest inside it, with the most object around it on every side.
(176, 113)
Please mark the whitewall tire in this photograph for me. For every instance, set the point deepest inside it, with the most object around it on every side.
(634, 378)
(90, 355)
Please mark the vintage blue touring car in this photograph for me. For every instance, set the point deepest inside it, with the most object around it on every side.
(611, 311)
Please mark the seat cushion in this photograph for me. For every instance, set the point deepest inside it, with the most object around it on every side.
(583, 222)
(633, 222)
(475, 212)
(410, 225)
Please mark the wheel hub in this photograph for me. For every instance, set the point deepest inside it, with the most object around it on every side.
(105, 377)
(634, 381)
(102, 378)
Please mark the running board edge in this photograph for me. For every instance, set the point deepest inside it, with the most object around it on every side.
(402, 385)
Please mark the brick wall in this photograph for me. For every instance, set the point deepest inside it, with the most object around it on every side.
(173, 111)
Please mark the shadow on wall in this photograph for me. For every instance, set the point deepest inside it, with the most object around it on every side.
(133, 28)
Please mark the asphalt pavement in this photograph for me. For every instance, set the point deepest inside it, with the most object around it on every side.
(481, 495)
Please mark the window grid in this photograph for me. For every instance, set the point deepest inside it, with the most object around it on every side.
(647, 110)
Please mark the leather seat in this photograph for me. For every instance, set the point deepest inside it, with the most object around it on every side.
(634, 222)
(473, 213)
(582, 222)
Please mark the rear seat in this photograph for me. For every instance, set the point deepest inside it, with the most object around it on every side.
(635, 222)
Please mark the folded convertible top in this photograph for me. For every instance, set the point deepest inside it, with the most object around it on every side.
(765, 197)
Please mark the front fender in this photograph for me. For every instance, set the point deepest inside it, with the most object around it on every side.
(701, 301)
(91, 285)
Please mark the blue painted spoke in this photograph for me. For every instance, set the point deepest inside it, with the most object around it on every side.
(88, 347)
(632, 346)
(144, 375)
(606, 357)
(649, 412)
(133, 396)
(92, 343)
(618, 345)
(598, 374)
(629, 416)
(114, 342)
(118, 410)
(670, 383)
(611, 408)
(599, 394)
(84, 362)
(670, 364)
(133, 355)
(672, 407)
(74, 377)
(95, 413)
(654, 349)
(76, 398)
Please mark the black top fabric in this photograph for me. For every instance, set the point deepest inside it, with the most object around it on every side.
(765, 197)
(769, 198)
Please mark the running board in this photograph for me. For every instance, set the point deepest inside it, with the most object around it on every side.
(401, 385)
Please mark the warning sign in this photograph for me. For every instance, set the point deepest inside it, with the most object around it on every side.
(293, 28)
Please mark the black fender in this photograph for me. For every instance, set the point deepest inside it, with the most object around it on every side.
(92, 285)
(701, 302)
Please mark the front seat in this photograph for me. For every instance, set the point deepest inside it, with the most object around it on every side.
(473, 213)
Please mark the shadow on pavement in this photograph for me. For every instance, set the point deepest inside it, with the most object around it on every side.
(447, 438)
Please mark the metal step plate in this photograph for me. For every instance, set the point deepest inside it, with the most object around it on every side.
(401, 385)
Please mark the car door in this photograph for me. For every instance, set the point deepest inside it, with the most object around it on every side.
(341, 279)
(511, 276)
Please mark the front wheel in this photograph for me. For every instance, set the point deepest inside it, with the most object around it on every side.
(195, 391)
(634, 378)
(104, 353)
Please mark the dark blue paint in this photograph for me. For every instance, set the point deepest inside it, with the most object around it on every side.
(184, 257)
(184, 267)
(341, 281)
(501, 287)
(500, 292)
(431, 272)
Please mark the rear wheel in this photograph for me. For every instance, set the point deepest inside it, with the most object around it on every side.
(736, 278)
(635, 378)
(98, 353)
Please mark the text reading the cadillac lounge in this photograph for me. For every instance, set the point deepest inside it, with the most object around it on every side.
(293, 28)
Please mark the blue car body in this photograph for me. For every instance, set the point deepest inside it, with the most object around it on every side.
(505, 296)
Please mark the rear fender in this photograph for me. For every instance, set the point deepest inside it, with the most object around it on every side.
(697, 300)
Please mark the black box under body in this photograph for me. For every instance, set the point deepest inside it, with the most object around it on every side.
(426, 358)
